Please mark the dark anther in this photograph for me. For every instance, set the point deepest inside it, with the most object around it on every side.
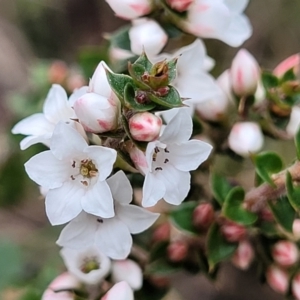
(158, 169)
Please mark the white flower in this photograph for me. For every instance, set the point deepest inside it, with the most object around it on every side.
(89, 265)
(98, 109)
(39, 127)
(169, 160)
(222, 19)
(294, 122)
(112, 235)
(75, 174)
(129, 271)
(146, 34)
(120, 291)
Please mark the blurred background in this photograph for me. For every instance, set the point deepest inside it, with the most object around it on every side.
(48, 41)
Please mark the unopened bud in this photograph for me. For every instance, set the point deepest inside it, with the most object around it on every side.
(233, 232)
(161, 232)
(120, 291)
(130, 9)
(145, 126)
(203, 215)
(296, 228)
(285, 253)
(177, 251)
(292, 62)
(57, 72)
(243, 256)
(179, 5)
(146, 34)
(244, 73)
(245, 138)
(137, 156)
(294, 123)
(159, 281)
(266, 214)
(277, 279)
(296, 286)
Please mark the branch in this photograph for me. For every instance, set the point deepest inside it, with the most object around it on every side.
(256, 198)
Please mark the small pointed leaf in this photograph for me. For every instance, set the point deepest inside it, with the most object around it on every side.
(293, 192)
(269, 80)
(220, 187)
(144, 61)
(171, 100)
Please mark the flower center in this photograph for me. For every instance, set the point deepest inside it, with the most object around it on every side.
(160, 158)
(90, 264)
(88, 168)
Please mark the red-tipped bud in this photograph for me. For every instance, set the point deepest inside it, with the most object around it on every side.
(233, 232)
(266, 214)
(278, 279)
(285, 253)
(243, 255)
(177, 251)
(296, 286)
(161, 232)
(179, 5)
(292, 62)
(203, 215)
(145, 126)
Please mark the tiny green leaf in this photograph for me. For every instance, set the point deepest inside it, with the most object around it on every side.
(144, 61)
(289, 75)
(267, 163)
(218, 249)
(297, 143)
(269, 80)
(161, 267)
(120, 38)
(172, 72)
(233, 210)
(293, 192)
(171, 100)
(182, 217)
(220, 187)
(283, 213)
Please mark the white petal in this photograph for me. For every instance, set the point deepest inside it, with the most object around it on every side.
(77, 94)
(120, 291)
(188, 156)
(46, 170)
(36, 124)
(104, 158)
(236, 6)
(56, 107)
(80, 232)
(64, 203)
(136, 218)
(66, 142)
(32, 139)
(120, 188)
(98, 200)
(113, 239)
(153, 190)
(179, 129)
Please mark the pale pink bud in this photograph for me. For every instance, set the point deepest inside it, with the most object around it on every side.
(233, 232)
(75, 81)
(65, 281)
(120, 291)
(277, 279)
(245, 138)
(146, 34)
(179, 5)
(243, 256)
(285, 253)
(296, 286)
(292, 62)
(296, 228)
(203, 215)
(129, 271)
(294, 123)
(57, 72)
(244, 73)
(177, 251)
(145, 126)
(138, 157)
(161, 232)
(224, 82)
(130, 9)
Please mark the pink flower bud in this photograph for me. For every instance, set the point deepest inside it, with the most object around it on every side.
(292, 62)
(224, 82)
(266, 215)
(146, 34)
(145, 126)
(179, 5)
(243, 256)
(130, 9)
(296, 228)
(233, 232)
(129, 271)
(244, 73)
(294, 123)
(177, 251)
(203, 215)
(245, 138)
(120, 291)
(137, 156)
(161, 232)
(57, 72)
(296, 286)
(285, 253)
(64, 281)
(277, 279)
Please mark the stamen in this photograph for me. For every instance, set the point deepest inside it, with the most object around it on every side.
(158, 169)
(99, 220)
(156, 150)
(84, 182)
(166, 150)
(72, 177)
(73, 164)
(166, 160)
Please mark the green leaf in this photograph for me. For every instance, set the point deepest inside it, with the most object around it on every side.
(171, 100)
(297, 143)
(172, 69)
(161, 267)
(268, 229)
(120, 38)
(233, 210)
(182, 217)
(283, 213)
(293, 192)
(289, 75)
(267, 163)
(159, 250)
(144, 61)
(220, 187)
(269, 80)
(218, 249)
